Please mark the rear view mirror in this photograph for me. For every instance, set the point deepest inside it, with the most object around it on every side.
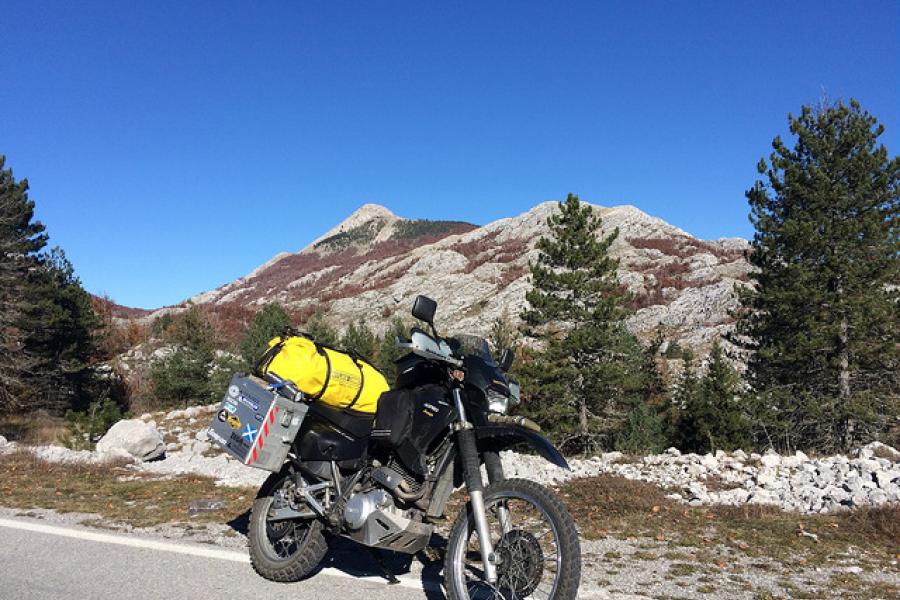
(424, 309)
(506, 359)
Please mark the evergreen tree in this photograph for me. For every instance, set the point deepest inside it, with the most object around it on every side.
(48, 327)
(359, 339)
(684, 398)
(58, 332)
(726, 427)
(320, 331)
(644, 431)
(85, 428)
(688, 386)
(657, 393)
(270, 322)
(388, 352)
(504, 335)
(21, 238)
(587, 373)
(712, 416)
(821, 320)
(183, 377)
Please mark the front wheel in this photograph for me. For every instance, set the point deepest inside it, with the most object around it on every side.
(535, 544)
(284, 551)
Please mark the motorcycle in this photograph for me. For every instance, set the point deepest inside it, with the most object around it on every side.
(385, 485)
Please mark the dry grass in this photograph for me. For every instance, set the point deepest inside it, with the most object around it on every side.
(27, 482)
(32, 429)
(884, 453)
(610, 505)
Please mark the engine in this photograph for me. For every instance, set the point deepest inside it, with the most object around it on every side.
(373, 519)
(360, 506)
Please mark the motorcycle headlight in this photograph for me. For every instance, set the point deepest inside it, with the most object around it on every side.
(498, 402)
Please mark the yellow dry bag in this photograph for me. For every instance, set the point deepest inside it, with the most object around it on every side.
(325, 374)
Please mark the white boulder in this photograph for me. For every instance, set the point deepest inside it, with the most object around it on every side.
(770, 460)
(869, 450)
(138, 439)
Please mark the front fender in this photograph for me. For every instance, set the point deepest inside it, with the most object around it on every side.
(503, 436)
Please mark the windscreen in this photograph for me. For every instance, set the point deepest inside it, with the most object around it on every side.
(475, 346)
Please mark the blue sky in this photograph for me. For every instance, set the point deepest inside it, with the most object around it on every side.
(174, 146)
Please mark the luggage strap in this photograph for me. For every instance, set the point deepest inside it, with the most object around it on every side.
(362, 382)
(321, 350)
(266, 359)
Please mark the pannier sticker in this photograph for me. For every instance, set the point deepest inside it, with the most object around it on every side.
(229, 406)
(233, 391)
(258, 417)
(217, 437)
(239, 441)
(234, 422)
(222, 415)
(249, 432)
(243, 399)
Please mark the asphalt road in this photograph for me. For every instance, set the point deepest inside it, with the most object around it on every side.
(46, 562)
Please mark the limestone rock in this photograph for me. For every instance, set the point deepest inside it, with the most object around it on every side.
(870, 450)
(374, 263)
(770, 460)
(135, 437)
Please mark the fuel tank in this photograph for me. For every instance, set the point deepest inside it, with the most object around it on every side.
(414, 371)
(432, 413)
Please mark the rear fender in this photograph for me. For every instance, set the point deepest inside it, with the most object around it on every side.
(498, 437)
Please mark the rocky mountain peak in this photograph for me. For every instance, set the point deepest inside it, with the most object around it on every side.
(372, 216)
(373, 264)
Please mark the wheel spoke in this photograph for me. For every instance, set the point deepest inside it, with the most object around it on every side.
(527, 544)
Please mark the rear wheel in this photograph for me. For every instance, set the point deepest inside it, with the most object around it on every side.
(283, 551)
(535, 543)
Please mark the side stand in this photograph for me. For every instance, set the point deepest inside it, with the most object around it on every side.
(385, 569)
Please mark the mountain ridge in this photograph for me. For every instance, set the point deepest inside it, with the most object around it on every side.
(372, 264)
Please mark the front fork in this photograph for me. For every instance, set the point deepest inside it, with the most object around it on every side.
(468, 451)
(494, 468)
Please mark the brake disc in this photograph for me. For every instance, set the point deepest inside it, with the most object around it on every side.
(521, 562)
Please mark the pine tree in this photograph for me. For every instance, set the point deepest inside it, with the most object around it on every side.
(725, 428)
(686, 390)
(359, 339)
(688, 384)
(821, 320)
(711, 413)
(587, 374)
(504, 335)
(21, 238)
(58, 329)
(271, 321)
(388, 352)
(183, 377)
(320, 331)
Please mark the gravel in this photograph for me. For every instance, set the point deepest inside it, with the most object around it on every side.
(796, 482)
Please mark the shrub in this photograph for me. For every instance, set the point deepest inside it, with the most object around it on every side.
(85, 428)
(423, 227)
(712, 416)
(183, 377)
(643, 432)
(358, 338)
(268, 323)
